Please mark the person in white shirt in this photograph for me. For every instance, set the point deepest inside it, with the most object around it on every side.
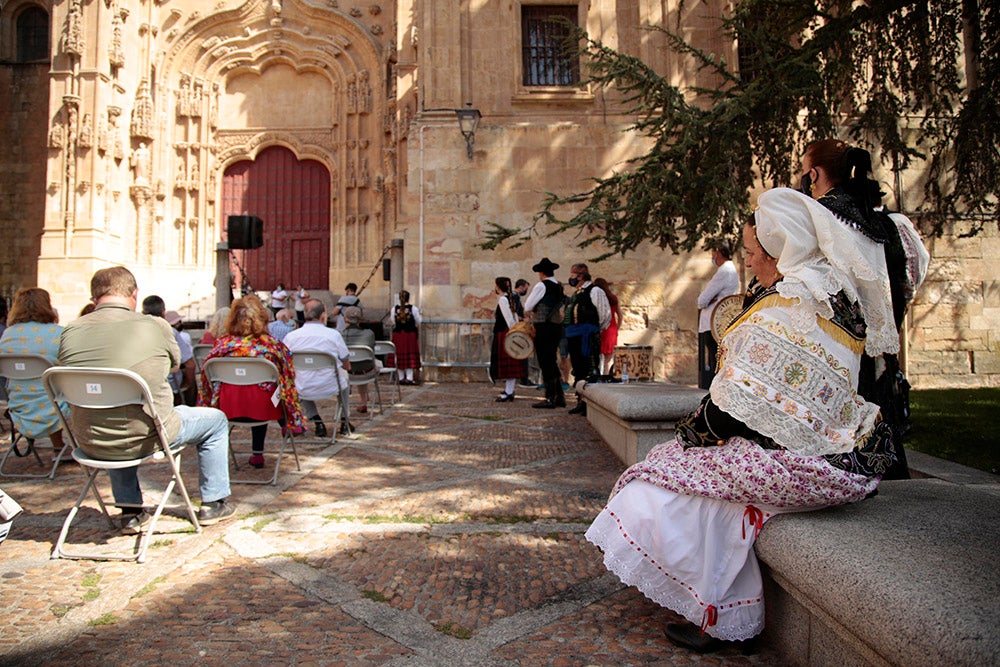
(279, 298)
(315, 336)
(725, 282)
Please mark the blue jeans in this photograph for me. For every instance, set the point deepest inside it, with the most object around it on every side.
(208, 430)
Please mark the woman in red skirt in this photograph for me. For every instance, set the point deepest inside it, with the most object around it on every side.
(404, 337)
(502, 365)
(247, 337)
(609, 337)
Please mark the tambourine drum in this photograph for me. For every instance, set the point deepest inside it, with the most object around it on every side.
(520, 340)
(723, 314)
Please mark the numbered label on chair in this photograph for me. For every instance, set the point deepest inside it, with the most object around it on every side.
(94, 388)
(19, 366)
(240, 371)
(308, 361)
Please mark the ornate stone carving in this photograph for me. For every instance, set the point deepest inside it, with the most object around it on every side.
(141, 162)
(116, 48)
(142, 113)
(86, 132)
(72, 36)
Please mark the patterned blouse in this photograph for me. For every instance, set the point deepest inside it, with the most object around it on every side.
(272, 350)
(30, 408)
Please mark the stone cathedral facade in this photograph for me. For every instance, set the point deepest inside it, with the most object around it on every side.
(135, 128)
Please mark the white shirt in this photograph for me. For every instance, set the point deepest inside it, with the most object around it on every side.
(505, 310)
(725, 282)
(278, 298)
(536, 294)
(317, 337)
(601, 303)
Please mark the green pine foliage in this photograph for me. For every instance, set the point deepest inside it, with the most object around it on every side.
(910, 80)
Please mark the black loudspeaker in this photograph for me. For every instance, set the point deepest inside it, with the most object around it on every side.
(246, 232)
(386, 269)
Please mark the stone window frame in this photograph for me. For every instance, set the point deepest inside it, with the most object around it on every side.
(545, 93)
(11, 32)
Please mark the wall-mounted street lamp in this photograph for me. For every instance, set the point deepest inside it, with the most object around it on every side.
(468, 121)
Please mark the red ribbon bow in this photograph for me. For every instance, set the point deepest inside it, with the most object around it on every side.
(756, 518)
(709, 618)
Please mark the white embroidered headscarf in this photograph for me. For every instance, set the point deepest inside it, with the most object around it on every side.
(818, 256)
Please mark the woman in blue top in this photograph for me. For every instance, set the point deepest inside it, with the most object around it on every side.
(32, 329)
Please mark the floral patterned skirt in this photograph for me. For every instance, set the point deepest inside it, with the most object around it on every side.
(681, 525)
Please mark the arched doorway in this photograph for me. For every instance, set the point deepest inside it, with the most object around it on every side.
(292, 197)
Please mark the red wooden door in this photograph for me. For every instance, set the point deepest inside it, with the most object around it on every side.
(292, 197)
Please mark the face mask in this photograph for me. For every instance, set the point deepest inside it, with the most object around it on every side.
(805, 184)
(574, 281)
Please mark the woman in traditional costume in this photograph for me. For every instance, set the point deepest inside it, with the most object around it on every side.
(406, 338)
(782, 429)
(502, 365)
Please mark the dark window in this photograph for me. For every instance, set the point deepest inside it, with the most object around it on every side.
(32, 35)
(547, 57)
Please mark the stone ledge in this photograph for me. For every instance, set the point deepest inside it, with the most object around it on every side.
(633, 418)
(908, 577)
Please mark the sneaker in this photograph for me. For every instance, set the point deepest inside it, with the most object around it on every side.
(320, 429)
(215, 511)
(133, 524)
(257, 461)
(527, 383)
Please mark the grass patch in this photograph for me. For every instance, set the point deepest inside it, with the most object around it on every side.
(60, 610)
(453, 630)
(106, 619)
(259, 526)
(91, 594)
(90, 580)
(150, 587)
(374, 596)
(161, 543)
(960, 425)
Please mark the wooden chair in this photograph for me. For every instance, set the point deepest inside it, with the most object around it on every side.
(111, 389)
(25, 368)
(251, 371)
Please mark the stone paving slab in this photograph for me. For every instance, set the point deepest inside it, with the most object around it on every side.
(447, 531)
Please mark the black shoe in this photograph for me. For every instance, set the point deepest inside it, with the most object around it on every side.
(526, 383)
(505, 398)
(544, 405)
(215, 511)
(580, 409)
(135, 523)
(320, 428)
(689, 636)
(559, 403)
(346, 429)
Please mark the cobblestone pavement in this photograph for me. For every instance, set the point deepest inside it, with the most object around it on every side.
(448, 531)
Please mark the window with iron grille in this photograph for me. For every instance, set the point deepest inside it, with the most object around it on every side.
(546, 57)
(32, 35)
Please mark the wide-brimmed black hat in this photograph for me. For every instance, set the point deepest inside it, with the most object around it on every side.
(545, 266)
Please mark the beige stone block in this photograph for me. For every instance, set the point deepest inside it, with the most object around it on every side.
(987, 362)
(952, 292)
(988, 319)
(953, 246)
(939, 362)
(935, 339)
(940, 315)
(991, 293)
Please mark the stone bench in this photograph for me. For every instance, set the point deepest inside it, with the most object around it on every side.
(633, 418)
(908, 577)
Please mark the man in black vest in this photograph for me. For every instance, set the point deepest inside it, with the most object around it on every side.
(543, 308)
(587, 314)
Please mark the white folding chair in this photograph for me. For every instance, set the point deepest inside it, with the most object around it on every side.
(360, 354)
(200, 351)
(89, 388)
(314, 360)
(25, 368)
(251, 371)
(383, 350)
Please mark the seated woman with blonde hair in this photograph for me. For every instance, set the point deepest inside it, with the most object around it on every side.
(247, 336)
